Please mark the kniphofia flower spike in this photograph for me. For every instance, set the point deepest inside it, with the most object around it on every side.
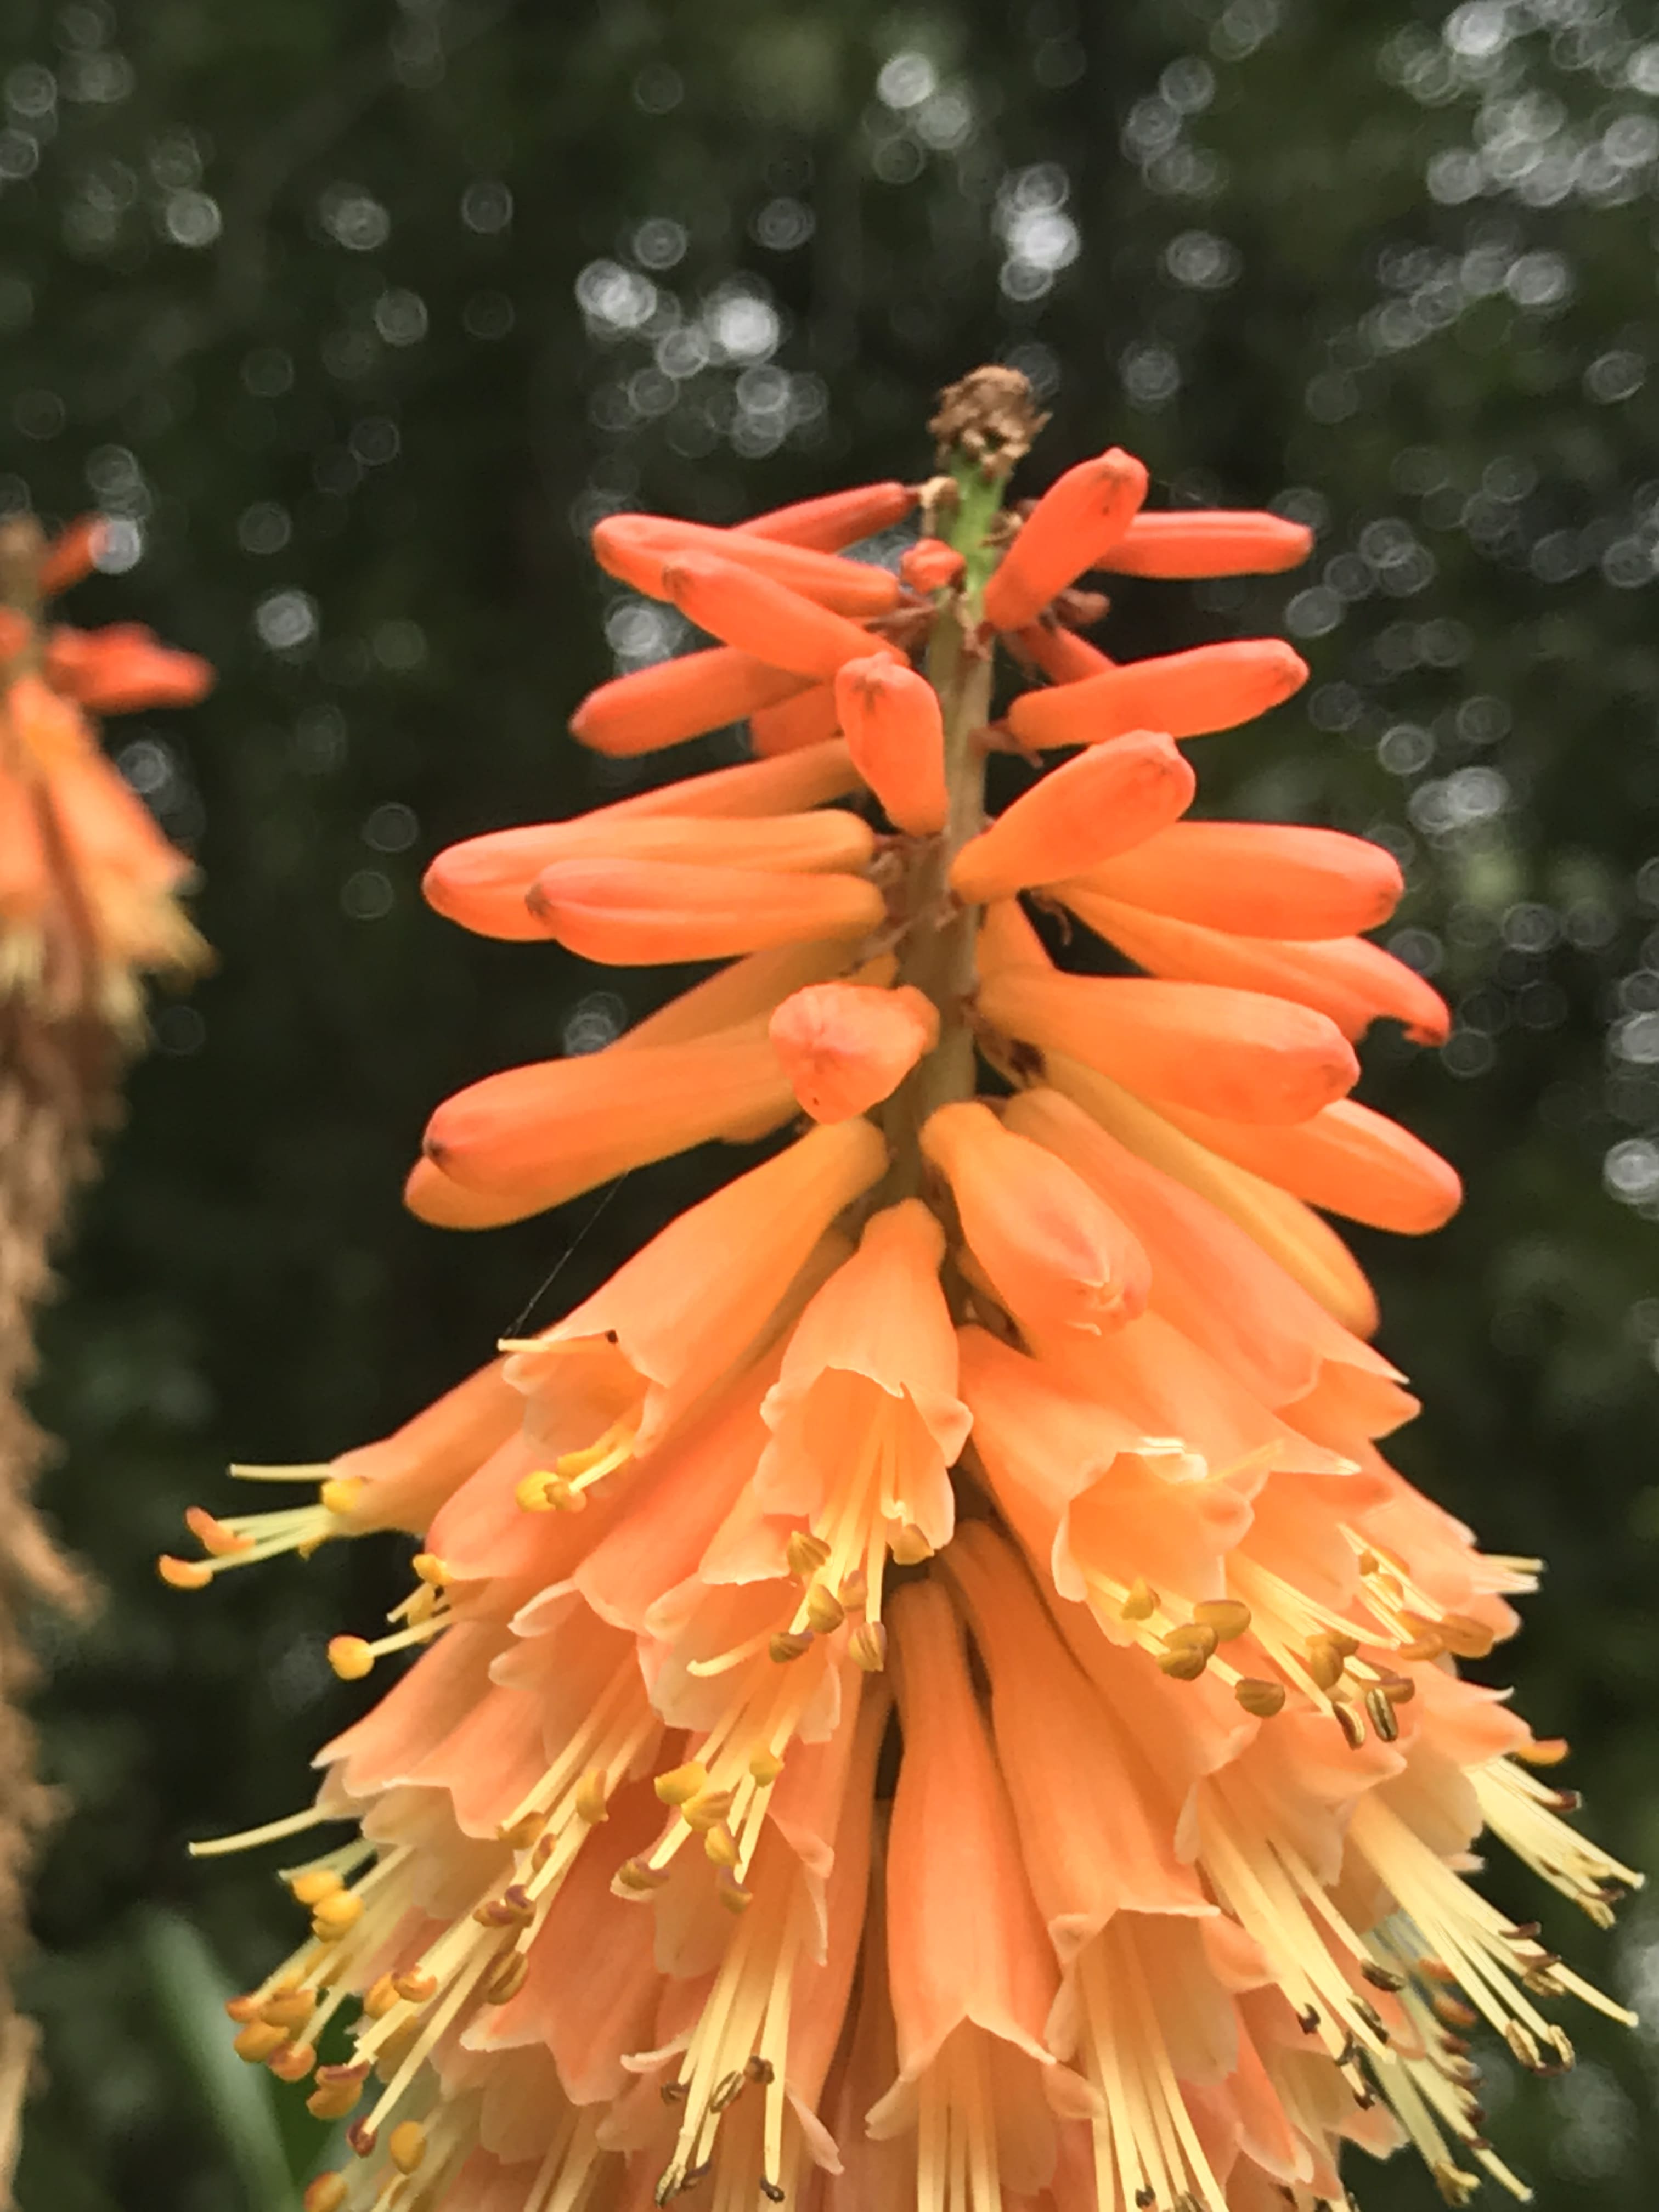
(1021, 1374)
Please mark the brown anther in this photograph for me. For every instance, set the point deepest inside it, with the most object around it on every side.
(760, 2071)
(1420, 1648)
(363, 2138)
(1523, 2046)
(333, 2100)
(1398, 1689)
(288, 2008)
(634, 1878)
(765, 1766)
(1465, 1638)
(1144, 2198)
(1191, 1636)
(1368, 1563)
(1308, 2021)
(805, 1553)
(853, 1591)
(544, 1850)
(824, 1610)
(695, 2176)
(327, 2193)
(1371, 2018)
(792, 1645)
(520, 1834)
(726, 2089)
(293, 2062)
(1381, 1977)
(771, 2192)
(868, 1646)
(1141, 1602)
(719, 1845)
(508, 1979)
(353, 2072)
(680, 1785)
(1228, 1616)
(416, 1987)
(1380, 1708)
(674, 2093)
(1183, 1662)
(243, 2008)
(731, 1892)
(1346, 1644)
(1452, 2012)
(258, 2041)
(909, 1547)
(1325, 1662)
(1353, 1728)
(380, 1997)
(1569, 1801)
(1259, 1698)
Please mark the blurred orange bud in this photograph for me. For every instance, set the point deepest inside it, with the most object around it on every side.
(757, 614)
(1101, 803)
(895, 734)
(1209, 543)
(637, 547)
(806, 719)
(1078, 521)
(931, 565)
(673, 700)
(121, 668)
(1213, 687)
(845, 1047)
(637, 912)
(837, 519)
(72, 553)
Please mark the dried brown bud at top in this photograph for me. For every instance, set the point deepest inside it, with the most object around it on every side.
(990, 415)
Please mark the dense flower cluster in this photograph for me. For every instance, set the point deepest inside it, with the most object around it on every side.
(88, 882)
(932, 1696)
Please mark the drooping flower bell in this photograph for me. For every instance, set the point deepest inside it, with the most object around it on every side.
(930, 1696)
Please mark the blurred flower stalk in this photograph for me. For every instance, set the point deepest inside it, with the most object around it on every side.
(928, 1694)
(88, 904)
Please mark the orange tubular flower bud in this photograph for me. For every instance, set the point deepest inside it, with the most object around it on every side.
(837, 519)
(1347, 1159)
(806, 719)
(1205, 543)
(71, 555)
(1077, 521)
(759, 615)
(931, 565)
(1103, 802)
(543, 1133)
(1190, 1044)
(1353, 982)
(1306, 1247)
(897, 737)
(1051, 1249)
(122, 669)
(1258, 878)
(845, 1047)
(431, 1197)
(675, 700)
(1061, 654)
(638, 913)
(1190, 694)
(481, 882)
(637, 547)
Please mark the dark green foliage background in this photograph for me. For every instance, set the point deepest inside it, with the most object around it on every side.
(235, 258)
